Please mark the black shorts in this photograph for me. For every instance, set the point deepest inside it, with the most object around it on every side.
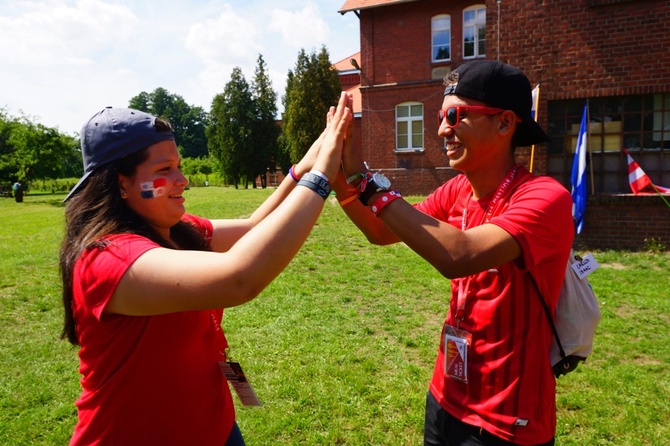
(442, 429)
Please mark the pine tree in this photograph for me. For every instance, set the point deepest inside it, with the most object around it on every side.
(266, 131)
(230, 131)
(312, 88)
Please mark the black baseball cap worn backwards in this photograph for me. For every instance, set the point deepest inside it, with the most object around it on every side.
(112, 134)
(502, 86)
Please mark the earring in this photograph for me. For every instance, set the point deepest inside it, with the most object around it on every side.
(124, 194)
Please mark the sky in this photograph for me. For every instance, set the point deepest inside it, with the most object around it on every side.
(61, 61)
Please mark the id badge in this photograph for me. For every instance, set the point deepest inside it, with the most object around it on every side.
(235, 375)
(456, 348)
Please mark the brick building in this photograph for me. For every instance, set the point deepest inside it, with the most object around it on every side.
(610, 54)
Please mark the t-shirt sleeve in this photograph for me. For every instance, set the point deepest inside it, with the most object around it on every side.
(100, 268)
(439, 204)
(201, 224)
(539, 217)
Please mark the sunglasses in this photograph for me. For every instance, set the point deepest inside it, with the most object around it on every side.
(453, 114)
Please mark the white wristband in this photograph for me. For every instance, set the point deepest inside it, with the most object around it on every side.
(319, 174)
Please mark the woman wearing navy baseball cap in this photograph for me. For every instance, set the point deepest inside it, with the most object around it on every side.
(145, 283)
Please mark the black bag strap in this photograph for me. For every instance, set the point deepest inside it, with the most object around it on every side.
(549, 318)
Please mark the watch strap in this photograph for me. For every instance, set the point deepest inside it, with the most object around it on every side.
(368, 188)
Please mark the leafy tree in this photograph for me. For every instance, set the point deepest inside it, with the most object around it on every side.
(229, 134)
(162, 102)
(7, 159)
(266, 131)
(311, 89)
(141, 102)
(30, 151)
(193, 140)
(206, 169)
(188, 122)
(194, 166)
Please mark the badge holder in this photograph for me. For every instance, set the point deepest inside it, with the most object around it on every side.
(456, 348)
(457, 341)
(233, 372)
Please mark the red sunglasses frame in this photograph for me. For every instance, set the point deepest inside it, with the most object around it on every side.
(442, 114)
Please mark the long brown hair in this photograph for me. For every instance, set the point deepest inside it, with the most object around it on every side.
(98, 211)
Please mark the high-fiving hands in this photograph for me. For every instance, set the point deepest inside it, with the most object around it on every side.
(329, 154)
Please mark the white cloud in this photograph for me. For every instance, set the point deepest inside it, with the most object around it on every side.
(229, 38)
(63, 60)
(221, 44)
(55, 33)
(301, 28)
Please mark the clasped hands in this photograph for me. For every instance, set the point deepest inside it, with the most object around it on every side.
(333, 153)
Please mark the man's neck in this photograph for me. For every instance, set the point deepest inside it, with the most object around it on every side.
(486, 181)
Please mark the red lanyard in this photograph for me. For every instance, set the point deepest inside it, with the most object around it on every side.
(503, 187)
(500, 193)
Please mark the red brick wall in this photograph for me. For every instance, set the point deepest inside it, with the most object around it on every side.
(624, 222)
(584, 49)
(573, 49)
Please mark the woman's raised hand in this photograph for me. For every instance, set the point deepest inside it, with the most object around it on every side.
(330, 154)
(307, 161)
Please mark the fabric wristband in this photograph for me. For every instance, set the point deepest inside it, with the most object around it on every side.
(349, 199)
(291, 172)
(316, 183)
(381, 202)
(354, 177)
(319, 174)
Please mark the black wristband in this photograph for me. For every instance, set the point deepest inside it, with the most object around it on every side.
(316, 183)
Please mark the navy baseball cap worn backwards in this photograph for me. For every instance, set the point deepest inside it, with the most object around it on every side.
(114, 133)
(502, 86)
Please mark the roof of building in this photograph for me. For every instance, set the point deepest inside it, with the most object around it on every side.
(346, 65)
(354, 5)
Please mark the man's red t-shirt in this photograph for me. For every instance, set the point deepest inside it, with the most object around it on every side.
(145, 379)
(511, 387)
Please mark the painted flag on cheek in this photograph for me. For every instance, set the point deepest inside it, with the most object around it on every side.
(153, 189)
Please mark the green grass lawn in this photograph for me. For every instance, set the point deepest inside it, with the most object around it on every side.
(340, 347)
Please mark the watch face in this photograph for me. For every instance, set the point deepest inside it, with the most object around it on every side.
(381, 181)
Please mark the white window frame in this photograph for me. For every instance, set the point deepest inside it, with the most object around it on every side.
(661, 114)
(412, 122)
(437, 25)
(474, 27)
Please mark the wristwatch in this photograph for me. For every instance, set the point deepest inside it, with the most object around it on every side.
(373, 182)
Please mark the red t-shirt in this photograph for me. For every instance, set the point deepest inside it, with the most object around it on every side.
(511, 387)
(145, 379)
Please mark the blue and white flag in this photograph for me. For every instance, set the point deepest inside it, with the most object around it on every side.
(578, 176)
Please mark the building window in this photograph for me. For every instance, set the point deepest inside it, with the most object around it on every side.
(441, 31)
(409, 126)
(474, 32)
(639, 123)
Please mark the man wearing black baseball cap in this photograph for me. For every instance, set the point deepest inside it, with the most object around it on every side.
(487, 230)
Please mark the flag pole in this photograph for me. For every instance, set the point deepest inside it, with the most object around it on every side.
(532, 155)
(660, 194)
(537, 112)
(588, 145)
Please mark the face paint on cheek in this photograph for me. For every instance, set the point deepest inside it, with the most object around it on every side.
(153, 189)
